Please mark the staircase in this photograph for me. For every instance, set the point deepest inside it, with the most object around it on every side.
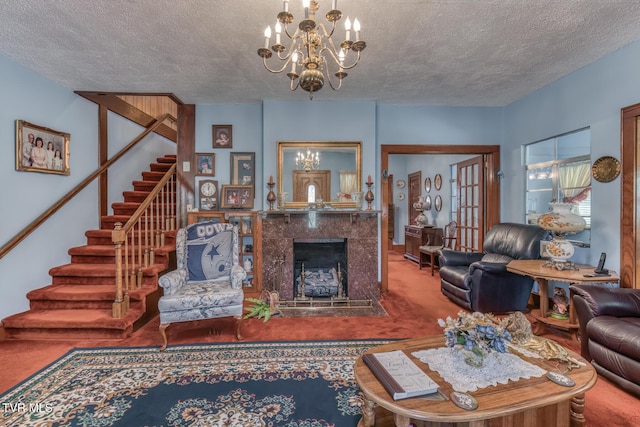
(78, 302)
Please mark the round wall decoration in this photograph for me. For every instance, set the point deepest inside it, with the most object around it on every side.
(401, 183)
(437, 181)
(438, 203)
(427, 184)
(605, 169)
(400, 196)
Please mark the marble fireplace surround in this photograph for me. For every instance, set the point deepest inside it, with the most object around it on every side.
(360, 228)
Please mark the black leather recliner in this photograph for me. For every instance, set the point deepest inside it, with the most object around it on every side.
(480, 281)
(610, 332)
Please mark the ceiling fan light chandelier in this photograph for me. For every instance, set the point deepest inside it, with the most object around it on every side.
(308, 162)
(312, 48)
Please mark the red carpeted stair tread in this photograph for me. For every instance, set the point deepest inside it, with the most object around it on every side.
(77, 319)
(83, 293)
(98, 270)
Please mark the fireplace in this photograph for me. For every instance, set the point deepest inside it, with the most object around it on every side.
(320, 268)
(354, 234)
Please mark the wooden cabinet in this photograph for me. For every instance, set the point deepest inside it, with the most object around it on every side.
(415, 236)
(249, 241)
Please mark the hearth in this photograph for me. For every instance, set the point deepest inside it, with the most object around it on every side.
(320, 268)
(355, 235)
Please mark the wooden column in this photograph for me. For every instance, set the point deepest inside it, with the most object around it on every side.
(185, 153)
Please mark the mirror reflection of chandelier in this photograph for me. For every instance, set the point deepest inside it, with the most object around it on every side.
(313, 48)
(308, 162)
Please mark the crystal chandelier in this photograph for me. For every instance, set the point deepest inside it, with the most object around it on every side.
(312, 48)
(308, 162)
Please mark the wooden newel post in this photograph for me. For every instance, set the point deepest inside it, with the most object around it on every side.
(119, 308)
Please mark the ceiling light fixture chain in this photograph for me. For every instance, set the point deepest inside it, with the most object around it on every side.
(312, 48)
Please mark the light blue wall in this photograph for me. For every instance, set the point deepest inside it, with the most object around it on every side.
(28, 96)
(590, 97)
(246, 122)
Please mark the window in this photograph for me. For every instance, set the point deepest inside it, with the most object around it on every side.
(559, 169)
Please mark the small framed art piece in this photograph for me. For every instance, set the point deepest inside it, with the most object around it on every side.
(222, 136)
(40, 149)
(243, 169)
(237, 197)
(208, 195)
(437, 181)
(206, 163)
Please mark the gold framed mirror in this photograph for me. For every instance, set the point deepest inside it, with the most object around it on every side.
(312, 170)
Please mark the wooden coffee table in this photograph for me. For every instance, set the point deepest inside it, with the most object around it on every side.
(531, 402)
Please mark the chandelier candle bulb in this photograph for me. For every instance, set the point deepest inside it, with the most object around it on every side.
(347, 27)
(305, 3)
(294, 59)
(285, 5)
(334, 4)
(278, 31)
(267, 36)
(356, 28)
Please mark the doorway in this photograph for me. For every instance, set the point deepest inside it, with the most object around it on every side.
(318, 180)
(470, 218)
(491, 157)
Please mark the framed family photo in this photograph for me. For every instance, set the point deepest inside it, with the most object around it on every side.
(243, 169)
(40, 149)
(236, 197)
(206, 163)
(222, 136)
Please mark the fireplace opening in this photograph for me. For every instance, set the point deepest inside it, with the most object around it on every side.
(320, 269)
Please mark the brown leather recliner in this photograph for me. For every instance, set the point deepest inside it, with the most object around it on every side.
(610, 332)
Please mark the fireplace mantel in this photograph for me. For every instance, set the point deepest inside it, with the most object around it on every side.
(360, 228)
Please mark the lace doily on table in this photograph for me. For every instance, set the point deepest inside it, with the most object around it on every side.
(498, 368)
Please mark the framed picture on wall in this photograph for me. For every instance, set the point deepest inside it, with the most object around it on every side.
(236, 197)
(206, 163)
(222, 136)
(242, 171)
(40, 149)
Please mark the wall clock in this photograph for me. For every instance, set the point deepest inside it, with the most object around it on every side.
(437, 181)
(605, 169)
(208, 194)
(427, 184)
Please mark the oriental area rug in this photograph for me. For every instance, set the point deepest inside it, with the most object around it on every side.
(292, 384)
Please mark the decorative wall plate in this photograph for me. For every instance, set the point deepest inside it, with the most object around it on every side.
(400, 196)
(438, 203)
(437, 181)
(427, 184)
(401, 183)
(427, 203)
(606, 169)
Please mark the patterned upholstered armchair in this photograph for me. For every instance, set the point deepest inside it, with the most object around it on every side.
(208, 281)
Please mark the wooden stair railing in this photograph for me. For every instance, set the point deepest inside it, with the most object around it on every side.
(136, 241)
(73, 192)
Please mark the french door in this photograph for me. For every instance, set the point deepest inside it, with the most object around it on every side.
(470, 186)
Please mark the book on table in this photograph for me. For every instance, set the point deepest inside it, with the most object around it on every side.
(399, 375)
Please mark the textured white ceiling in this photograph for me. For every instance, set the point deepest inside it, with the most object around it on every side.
(431, 52)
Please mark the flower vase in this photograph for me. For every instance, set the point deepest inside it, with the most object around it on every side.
(474, 357)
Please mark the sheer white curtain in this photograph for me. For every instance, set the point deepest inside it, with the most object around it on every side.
(573, 179)
(348, 182)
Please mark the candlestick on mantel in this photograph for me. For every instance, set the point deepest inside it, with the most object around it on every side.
(271, 179)
(369, 196)
(369, 180)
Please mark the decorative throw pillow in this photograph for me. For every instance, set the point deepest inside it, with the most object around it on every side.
(209, 251)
